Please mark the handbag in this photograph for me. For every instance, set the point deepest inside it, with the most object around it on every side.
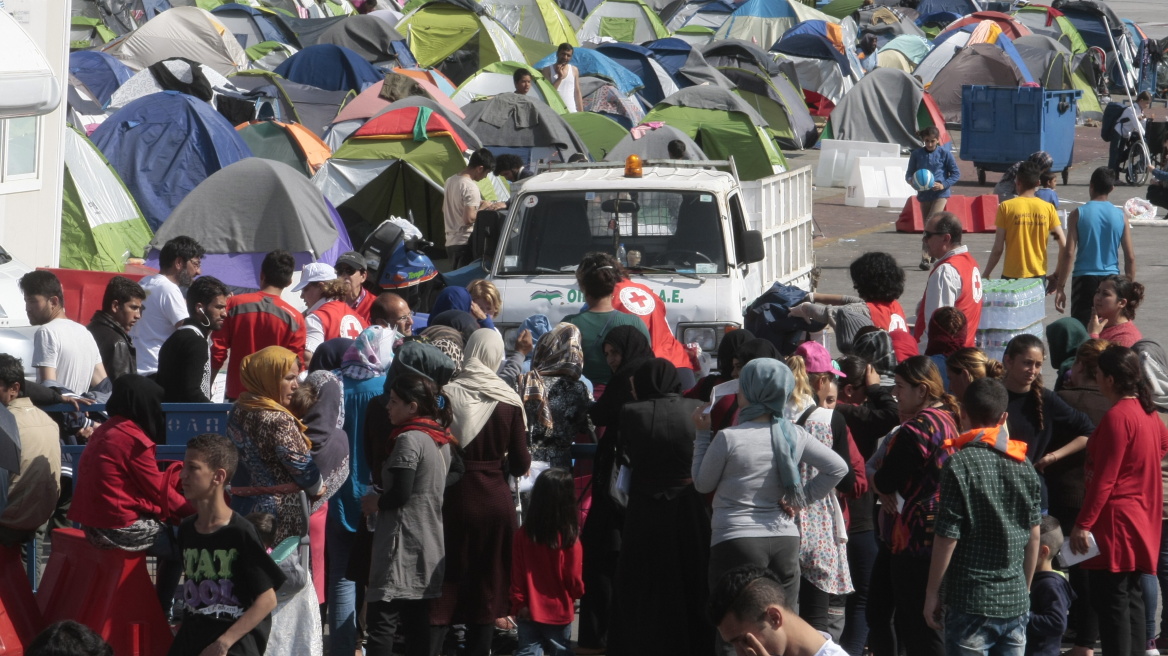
(294, 558)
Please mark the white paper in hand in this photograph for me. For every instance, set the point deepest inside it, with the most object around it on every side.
(1068, 557)
(725, 389)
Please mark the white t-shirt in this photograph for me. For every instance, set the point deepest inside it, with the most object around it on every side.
(70, 348)
(164, 308)
(313, 327)
(461, 193)
(829, 648)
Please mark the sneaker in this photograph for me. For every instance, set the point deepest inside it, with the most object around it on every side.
(926, 262)
(1150, 649)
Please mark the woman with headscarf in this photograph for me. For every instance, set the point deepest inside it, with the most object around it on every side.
(722, 414)
(625, 348)
(459, 320)
(753, 471)
(1064, 337)
(555, 400)
(875, 347)
(122, 500)
(661, 573)
(362, 377)
(458, 298)
(275, 464)
(478, 514)
(1005, 189)
(446, 339)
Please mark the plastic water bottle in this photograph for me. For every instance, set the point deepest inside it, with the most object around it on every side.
(621, 256)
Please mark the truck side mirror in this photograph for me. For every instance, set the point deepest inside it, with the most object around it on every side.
(752, 247)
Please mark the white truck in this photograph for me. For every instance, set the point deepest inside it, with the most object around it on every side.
(705, 242)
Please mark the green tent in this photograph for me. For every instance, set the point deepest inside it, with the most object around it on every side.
(841, 9)
(628, 21)
(456, 40)
(599, 132)
(722, 124)
(499, 78)
(101, 225)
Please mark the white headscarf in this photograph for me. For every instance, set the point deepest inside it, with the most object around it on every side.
(474, 391)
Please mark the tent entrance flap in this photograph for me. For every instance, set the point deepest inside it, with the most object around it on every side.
(621, 29)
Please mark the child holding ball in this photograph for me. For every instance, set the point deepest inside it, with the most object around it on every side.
(938, 161)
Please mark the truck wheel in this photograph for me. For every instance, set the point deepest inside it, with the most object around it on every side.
(981, 176)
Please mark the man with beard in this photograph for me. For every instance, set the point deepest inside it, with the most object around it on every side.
(184, 363)
(165, 309)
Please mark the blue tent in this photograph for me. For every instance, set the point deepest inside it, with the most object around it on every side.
(809, 44)
(330, 67)
(686, 64)
(596, 63)
(959, 7)
(101, 73)
(636, 59)
(940, 18)
(163, 145)
(252, 25)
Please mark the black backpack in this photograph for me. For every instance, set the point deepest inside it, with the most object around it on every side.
(767, 318)
(1111, 115)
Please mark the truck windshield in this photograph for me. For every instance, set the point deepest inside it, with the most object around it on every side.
(672, 230)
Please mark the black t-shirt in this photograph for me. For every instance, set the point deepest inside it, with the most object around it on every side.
(225, 571)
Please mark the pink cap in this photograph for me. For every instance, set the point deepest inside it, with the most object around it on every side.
(817, 358)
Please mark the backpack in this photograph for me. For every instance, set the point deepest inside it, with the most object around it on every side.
(1154, 363)
(767, 318)
(1111, 115)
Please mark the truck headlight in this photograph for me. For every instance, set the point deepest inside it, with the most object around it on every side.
(706, 335)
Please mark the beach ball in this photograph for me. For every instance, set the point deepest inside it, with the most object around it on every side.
(922, 180)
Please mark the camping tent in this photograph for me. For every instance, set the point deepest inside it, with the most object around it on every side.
(178, 75)
(187, 32)
(538, 20)
(164, 145)
(373, 39)
(373, 101)
(1010, 27)
(101, 225)
(310, 106)
(686, 64)
(598, 132)
(887, 23)
(248, 209)
(457, 37)
(723, 125)
(601, 97)
(497, 78)
(701, 13)
(886, 106)
(253, 25)
(511, 123)
(101, 73)
(627, 21)
(290, 143)
(1051, 22)
(1053, 66)
(912, 48)
(653, 143)
(765, 21)
(656, 82)
(1093, 19)
(330, 67)
(980, 63)
(825, 73)
(959, 7)
(597, 64)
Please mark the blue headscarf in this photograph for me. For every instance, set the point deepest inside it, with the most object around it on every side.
(451, 298)
(767, 385)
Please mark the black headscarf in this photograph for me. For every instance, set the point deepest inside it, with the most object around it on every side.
(416, 357)
(728, 349)
(876, 347)
(463, 322)
(635, 351)
(139, 399)
(656, 378)
(329, 354)
(755, 349)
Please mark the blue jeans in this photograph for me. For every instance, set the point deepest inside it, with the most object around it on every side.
(550, 639)
(342, 592)
(1151, 589)
(862, 549)
(976, 635)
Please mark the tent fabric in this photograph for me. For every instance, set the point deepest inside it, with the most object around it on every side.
(656, 82)
(253, 25)
(164, 145)
(686, 64)
(307, 30)
(597, 64)
(290, 143)
(1051, 22)
(101, 225)
(894, 59)
(146, 82)
(736, 53)
(86, 33)
(701, 14)
(253, 206)
(945, 47)
(959, 7)
(330, 67)
(515, 121)
(497, 78)
(764, 21)
(882, 108)
(1052, 64)
(813, 46)
(627, 21)
(368, 192)
(914, 48)
(439, 156)
(441, 31)
(887, 23)
(784, 110)
(600, 133)
(654, 144)
(723, 125)
(373, 100)
(842, 8)
(538, 20)
(980, 63)
(313, 107)
(100, 72)
(186, 32)
(601, 97)
(1011, 27)
(343, 129)
(369, 37)
(268, 55)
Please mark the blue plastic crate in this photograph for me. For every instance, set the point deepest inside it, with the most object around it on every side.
(1004, 125)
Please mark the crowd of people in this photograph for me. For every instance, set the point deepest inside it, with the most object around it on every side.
(398, 483)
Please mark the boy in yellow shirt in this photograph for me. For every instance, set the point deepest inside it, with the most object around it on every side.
(1024, 222)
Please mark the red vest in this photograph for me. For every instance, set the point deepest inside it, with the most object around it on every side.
(363, 304)
(969, 301)
(887, 316)
(337, 319)
(637, 299)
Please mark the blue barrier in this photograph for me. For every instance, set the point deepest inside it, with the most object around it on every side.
(183, 420)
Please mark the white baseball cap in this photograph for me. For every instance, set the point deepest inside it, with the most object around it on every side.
(315, 272)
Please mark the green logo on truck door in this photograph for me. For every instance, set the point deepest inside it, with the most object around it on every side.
(550, 295)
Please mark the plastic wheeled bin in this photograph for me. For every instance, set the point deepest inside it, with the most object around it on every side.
(1004, 125)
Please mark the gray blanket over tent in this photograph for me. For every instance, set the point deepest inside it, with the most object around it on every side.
(882, 107)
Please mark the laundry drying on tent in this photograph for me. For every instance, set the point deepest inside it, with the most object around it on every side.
(601, 97)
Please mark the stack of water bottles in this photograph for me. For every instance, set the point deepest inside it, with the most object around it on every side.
(1010, 308)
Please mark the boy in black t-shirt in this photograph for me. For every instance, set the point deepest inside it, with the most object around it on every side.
(231, 581)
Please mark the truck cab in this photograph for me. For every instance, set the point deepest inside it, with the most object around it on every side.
(692, 232)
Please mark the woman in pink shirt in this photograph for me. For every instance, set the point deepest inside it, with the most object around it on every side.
(1116, 301)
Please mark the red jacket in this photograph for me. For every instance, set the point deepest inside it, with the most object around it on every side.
(118, 480)
(254, 322)
(637, 299)
(363, 304)
(545, 580)
(337, 319)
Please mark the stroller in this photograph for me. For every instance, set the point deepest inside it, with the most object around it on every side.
(397, 262)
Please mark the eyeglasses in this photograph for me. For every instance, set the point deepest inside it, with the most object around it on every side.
(928, 234)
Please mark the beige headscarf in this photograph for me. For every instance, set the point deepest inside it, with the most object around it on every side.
(474, 391)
